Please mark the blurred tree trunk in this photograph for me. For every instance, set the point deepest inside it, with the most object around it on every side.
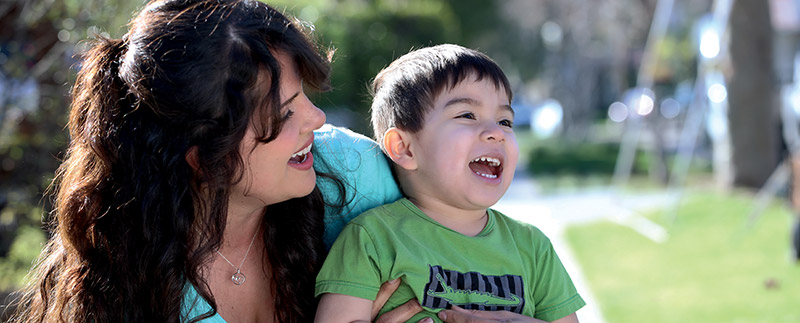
(752, 117)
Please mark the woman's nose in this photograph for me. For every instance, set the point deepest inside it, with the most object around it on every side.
(315, 117)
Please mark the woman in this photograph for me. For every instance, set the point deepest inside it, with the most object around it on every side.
(188, 181)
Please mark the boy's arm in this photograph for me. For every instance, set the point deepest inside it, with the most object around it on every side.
(339, 308)
(327, 309)
(572, 318)
(555, 295)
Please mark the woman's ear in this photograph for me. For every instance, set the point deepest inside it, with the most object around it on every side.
(192, 159)
(397, 144)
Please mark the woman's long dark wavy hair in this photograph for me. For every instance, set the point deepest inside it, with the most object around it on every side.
(133, 223)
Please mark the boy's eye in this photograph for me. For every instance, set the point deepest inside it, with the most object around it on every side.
(467, 115)
(506, 123)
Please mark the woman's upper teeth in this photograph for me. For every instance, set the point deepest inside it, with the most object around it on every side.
(302, 152)
(489, 160)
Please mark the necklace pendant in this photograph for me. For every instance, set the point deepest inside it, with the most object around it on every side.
(238, 278)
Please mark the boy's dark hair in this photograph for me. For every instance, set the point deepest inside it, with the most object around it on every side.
(404, 92)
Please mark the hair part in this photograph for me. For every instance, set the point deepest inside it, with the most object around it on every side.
(404, 92)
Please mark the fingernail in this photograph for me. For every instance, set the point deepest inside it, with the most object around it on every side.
(442, 315)
(394, 281)
(427, 320)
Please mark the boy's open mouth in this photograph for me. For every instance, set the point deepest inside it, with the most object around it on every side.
(488, 167)
(300, 156)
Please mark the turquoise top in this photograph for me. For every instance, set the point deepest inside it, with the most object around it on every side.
(363, 169)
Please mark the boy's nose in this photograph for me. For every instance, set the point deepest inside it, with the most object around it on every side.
(493, 132)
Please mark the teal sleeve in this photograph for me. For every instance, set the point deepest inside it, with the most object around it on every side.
(554, 293)
(351, 267)
(362, 168)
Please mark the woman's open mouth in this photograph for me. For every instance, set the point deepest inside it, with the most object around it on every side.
(301, 156)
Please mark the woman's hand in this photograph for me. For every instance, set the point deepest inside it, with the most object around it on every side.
(460, 315)
(399, 314)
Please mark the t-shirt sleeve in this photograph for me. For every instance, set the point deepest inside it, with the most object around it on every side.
(361, 167)
(554, 293)
(351, 267)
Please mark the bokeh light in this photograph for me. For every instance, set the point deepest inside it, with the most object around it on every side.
(709, 43)
(645, 105)
(552, 35)
(717, 93)
(547, 118)
(618, 112)
(670, 108)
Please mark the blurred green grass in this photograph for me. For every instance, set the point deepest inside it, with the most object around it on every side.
(713, 267)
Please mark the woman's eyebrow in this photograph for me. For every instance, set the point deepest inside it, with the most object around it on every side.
(289, 100)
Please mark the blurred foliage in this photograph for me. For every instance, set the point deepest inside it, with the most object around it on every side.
(20, 257)
(38, 43)
(558, 158)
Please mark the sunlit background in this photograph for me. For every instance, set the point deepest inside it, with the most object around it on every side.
(656, 136)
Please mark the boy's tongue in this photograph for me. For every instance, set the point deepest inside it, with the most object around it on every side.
(482, 168)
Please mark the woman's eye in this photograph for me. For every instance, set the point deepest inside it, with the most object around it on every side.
(468, 115)
(506, 123)
(287, 115)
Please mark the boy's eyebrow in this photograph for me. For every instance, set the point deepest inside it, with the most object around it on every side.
(469, 101)
(474, 102)
(509, 108)
(289, 100)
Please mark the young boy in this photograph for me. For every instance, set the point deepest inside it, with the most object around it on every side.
(442, 114)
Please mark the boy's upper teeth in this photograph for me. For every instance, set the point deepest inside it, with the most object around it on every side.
(302, 152)
(491, 161)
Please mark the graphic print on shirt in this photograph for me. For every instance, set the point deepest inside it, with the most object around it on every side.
(473, 291)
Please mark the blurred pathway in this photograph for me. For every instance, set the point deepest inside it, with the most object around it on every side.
(551, 213)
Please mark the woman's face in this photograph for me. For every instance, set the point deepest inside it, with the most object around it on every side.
(282, 168)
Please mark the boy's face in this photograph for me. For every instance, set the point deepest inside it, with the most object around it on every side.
(466, 152)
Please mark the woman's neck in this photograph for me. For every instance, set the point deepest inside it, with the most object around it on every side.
(240, 227)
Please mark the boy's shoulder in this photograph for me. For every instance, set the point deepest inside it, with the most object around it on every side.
(518, 227)
(392, 214)
(388, 212)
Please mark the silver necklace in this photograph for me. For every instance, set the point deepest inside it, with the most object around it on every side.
(238, 277)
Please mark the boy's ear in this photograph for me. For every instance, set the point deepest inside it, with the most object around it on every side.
(397, 144)
(192, 159)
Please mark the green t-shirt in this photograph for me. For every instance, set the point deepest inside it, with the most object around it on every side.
(508, 266)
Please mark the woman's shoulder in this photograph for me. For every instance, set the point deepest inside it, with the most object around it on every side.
(341, 149)
(336, 138)
(358, 163)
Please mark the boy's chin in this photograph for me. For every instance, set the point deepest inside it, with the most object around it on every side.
(485, 203)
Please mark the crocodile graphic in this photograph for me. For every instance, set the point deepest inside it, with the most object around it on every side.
(460, 296)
